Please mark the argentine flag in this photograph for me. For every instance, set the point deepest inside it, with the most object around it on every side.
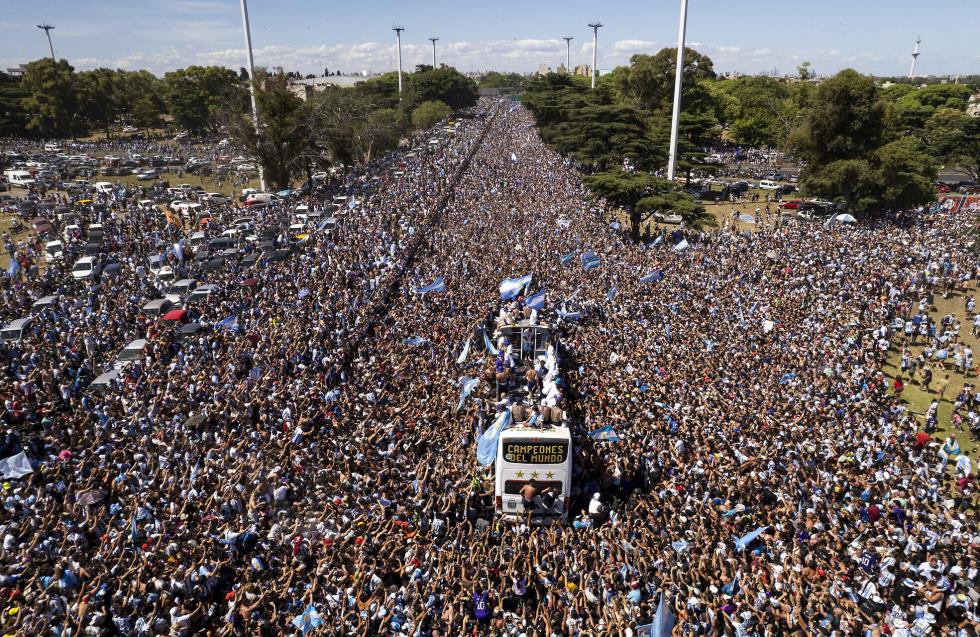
(509, 288)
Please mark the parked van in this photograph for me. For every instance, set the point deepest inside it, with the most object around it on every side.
(765, 184)
(20, 178)
(130, 353)
(105, 187)
(15, 330)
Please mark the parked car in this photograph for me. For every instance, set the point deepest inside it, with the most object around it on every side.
(53, 251)
(41, 225)
(86, 268)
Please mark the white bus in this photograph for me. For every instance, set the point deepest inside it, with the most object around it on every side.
(543, 455)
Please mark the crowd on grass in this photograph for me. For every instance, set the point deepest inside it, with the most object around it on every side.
(298, 466)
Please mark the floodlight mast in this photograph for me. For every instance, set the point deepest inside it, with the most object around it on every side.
(678, 86)
(568, 53)
(398, 35)
(251, 85)
(433, 41)
(595, 47)
(47, 31)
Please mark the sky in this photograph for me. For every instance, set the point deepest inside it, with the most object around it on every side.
(748, 36)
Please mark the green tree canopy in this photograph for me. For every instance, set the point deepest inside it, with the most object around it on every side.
(845, 121)
(641, 195)
(954, 137)
(13, 116)
(196, 94)
(445, 84)
(430, 113)
(52, 98)
(99, 97)
(915, 107)
(648, 81)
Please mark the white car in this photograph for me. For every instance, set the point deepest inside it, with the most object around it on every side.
(215, 197)
(146, 175)
(53, 251)
(129, 129)
(766, 184)
(85, 268)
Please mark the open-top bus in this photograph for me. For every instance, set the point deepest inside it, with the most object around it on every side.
(541, 454)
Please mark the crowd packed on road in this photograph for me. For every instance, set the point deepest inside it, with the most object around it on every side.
(294, 461)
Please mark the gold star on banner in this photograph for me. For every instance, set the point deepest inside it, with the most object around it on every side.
(534, 474)
(550, 474)
(520, 474)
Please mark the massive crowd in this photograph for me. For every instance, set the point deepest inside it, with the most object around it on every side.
(767, 480)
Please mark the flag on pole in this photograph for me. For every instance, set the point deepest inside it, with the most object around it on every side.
(653, 277)
(536, 301)
(179, 250)
(566, 259)
(509, 288)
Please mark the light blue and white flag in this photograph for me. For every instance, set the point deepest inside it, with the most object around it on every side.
(569, 316)
(309, 620)
(229, 323)
(486, 446)
(439, 285)
(465, 353)
(657, 240)
(467, 385)
(663, 621)
(605, 434)
(489, 344)
(742, 542)
(653, 277)
(509, 288)
(536, 301)
(14, 267)
(179, 250)
(566, 259)
(15, 466)
(414, 341)
(746, 218)
(680, 546)
(680, 247)
(611, 294)
(305, 292)
(590, 260)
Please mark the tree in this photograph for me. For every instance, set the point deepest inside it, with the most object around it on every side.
(430, 113)
(99, 98)
(13, 116)
(641, 195)
(845, 121)
(283, 142)
(915, 107)
(603, 135)
(757, 109)
(445, 84)
(381, 91)
(853, 181)
(804, 71)
(140, 98)
(648, 81)
(955, 139)
(196, 94)
(52, 99)
(381, 132)
(907, 173)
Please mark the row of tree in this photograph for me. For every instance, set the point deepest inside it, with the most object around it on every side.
(865, 145)
(335, 125)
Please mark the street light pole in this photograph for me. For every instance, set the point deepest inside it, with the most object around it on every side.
(433, 41)
(595, 48)
(251, 86)
(398, 34)
(47, 31)
(568, 53)
(678, 84)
